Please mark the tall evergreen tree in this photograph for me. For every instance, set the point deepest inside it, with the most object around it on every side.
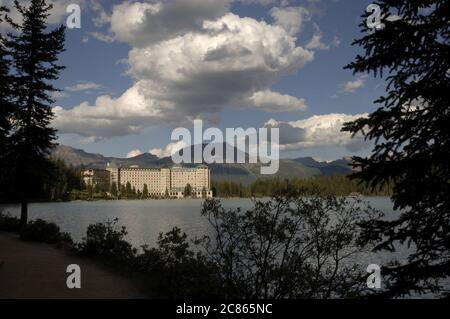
(188, 191)
(114, 191)
(412, 138)
(145, 191)
(128, 190)
(5, 108)
(34, 52)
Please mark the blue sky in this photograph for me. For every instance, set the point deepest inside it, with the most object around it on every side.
(104, 58)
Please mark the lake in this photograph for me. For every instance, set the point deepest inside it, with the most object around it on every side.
(144, 219)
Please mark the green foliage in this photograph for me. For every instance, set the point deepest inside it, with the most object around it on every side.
(79, 195)
(34, 51)
(337, 185)
(412, 139)
(114, 190)
(128, 190)
(145, 192)
(61, 181)
(6, 108)
(9, 223)
(123, 191)
(107, 241)
(173, 270)
(90, 191)
(288, 247)
(42, 231)
(188, 191)
(37, 230)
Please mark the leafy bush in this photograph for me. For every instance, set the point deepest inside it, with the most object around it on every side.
(173, 270)
(107, 241)
(38, 230)
(288, 247)
(9, 223)
(42, 231)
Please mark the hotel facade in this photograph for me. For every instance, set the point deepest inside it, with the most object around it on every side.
(163, 182)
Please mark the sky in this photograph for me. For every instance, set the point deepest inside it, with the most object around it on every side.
(136, 70)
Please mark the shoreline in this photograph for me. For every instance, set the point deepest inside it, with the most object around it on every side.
(167, 199)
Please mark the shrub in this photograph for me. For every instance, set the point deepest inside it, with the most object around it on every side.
(45, 232)
(9, 223)
(174, 271)
(107, 241)
(171, 270)
(288, 247)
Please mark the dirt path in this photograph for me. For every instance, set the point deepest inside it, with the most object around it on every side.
(32, 270)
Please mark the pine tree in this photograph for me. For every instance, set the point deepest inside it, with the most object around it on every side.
(128, 190)
(5, 110)
(34, 52)
(188, 190)
(412, 138)
(145, 191)
(97, 188)
(114, 189)
(123, 191)
(90, 191)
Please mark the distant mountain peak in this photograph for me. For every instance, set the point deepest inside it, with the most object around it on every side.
(144, 156)
(302, 167)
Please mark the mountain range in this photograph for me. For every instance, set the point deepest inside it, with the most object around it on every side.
(302, 167)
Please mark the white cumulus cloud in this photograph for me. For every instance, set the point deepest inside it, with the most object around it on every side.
(291, 19)
(84, 86)
(277, 102)
(168, 150)
(353, 86)
(229, 61)
(141, 23)
(318, 131)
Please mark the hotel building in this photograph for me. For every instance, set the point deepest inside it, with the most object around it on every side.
(163, 181)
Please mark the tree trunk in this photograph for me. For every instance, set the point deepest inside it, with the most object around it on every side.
(23, 214)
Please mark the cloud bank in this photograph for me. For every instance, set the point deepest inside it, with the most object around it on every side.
(318, 131)
(191, 59)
